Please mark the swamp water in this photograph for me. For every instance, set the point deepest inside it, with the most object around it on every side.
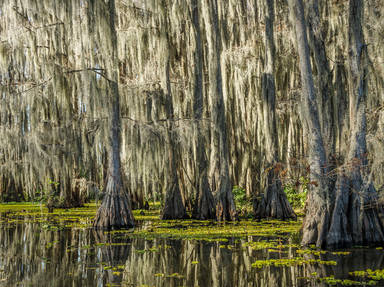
(60, 249)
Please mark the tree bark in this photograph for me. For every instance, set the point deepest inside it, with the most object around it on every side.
(356, 219)
(323, 78)
(316, 221)
(173, 207)
(221, 183)
(352, 217)
(273, 202)
(204, 206)
(115, 210)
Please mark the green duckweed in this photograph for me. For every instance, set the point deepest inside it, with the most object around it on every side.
(371, 274)
(287, 262)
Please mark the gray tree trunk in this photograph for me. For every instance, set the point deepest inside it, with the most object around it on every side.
(323, 78)
(316, 221)
(355, 218)
(273, 202)
(221, 182)
(351, 217)
(204, 206)
(115, 210)
(173, 206)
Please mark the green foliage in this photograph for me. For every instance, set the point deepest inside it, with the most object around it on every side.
(40, 196)
(55, 184)
(297, 193)
(242, 202)
(51, 195)
(240, 196)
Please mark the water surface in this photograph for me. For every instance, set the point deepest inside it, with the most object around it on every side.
(46, 253)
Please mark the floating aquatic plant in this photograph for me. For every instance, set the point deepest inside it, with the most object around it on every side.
(372, 274)
(287, 262)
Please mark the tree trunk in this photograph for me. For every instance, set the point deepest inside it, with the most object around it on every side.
(323, 78)
(115, 210)
(356, 219)
(204, 206)
(316, 221)
(221, 183)
(273, 202)
(173, 207)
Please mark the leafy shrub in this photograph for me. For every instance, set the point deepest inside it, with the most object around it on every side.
(242, 202)
(51, 194)
(297, 193)
(239, 195)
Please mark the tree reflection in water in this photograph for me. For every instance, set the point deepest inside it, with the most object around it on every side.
(33, 255)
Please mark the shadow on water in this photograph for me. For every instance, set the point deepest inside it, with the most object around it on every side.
(34, 254)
